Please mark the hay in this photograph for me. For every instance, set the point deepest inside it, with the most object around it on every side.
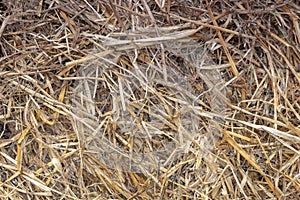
(149, 99)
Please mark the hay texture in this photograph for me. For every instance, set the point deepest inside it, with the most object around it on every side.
(162, 99)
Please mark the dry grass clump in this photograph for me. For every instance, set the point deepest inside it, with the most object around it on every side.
(149, 99)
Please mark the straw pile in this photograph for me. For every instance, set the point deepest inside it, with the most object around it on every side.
(149, 99)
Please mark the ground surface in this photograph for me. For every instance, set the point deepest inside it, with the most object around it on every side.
(159, 99)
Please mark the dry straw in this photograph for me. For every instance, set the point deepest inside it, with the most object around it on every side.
(215, 94)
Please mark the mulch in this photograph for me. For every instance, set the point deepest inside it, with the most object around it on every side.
(149, 99)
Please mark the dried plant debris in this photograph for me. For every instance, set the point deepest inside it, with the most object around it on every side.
(149, 99)
(150, 106)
